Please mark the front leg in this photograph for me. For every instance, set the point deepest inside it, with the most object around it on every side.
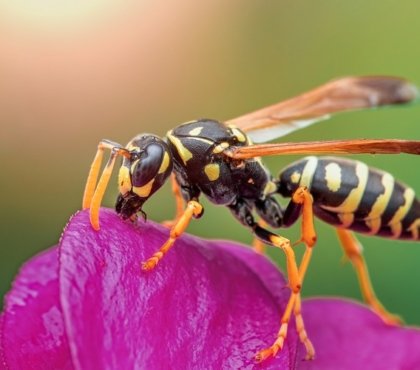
(194, 209)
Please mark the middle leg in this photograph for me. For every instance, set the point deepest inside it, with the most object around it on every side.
(301, 201)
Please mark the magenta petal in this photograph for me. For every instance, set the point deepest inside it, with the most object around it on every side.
(206, 305)
(349, 336)
(32, 329)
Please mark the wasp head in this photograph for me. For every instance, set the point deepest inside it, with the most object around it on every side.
(142, 174)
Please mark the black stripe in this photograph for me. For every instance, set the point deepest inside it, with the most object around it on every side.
(349, 181)
(395, 202)
(374, 189)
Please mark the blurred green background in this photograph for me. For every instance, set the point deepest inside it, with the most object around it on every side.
(74, 72)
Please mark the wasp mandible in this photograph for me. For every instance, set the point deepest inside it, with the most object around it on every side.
(219, 160)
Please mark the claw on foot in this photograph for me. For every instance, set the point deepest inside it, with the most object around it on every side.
(266, 353)
(150, 264)
(310, 354)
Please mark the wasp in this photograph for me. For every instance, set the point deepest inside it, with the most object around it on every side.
(221, 161)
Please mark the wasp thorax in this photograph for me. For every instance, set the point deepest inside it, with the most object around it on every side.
(143, 173)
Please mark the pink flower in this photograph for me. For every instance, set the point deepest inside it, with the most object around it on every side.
(208, 305)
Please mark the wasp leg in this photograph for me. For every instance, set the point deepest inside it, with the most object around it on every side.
(297, 310)
(294, 304)
(242, 211)
(92, 197)
(176, 190)
(300, 197)
(353, 250)
(303, 196)
(194, 209)
(257, 244)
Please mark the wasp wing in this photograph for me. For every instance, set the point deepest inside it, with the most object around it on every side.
(369, 146)
(345, 94)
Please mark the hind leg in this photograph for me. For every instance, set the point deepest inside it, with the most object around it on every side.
(353, 251)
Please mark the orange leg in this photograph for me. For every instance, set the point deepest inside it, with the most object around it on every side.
(297, 310)
(353, 250)
(193, 209)
(176, 190)
(303, 196)
(257, 244)
(282, 334)
(295, 305)
(92, 178)
(92, 197)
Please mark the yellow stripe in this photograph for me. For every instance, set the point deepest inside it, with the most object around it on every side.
(183, 152)
(308, 172)
(165, 163)
(395, 223)
(373, 219)
(346, 209)
(144, 191)
(124, 180)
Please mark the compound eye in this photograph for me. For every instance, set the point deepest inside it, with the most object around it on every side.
(146, 164)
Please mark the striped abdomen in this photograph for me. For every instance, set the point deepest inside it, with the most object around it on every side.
(349, 194)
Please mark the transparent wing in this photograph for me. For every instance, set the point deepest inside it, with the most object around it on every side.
(345, 94)
(386, 146)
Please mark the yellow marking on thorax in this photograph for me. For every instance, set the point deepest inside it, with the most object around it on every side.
(183, 152)
(195, 131)
(221, 147)
(238, 134)
(333, 176)
(270, 188)
(395, 223)
(373, 219)
(212, 171)
(414, 228)
(165, 163)
(124, 180)
(346, 209)
(144, 191)
(308, 172)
